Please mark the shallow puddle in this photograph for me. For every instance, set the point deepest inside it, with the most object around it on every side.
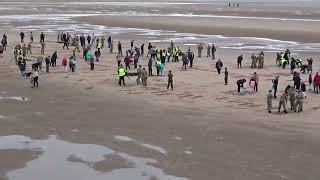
(56, 161)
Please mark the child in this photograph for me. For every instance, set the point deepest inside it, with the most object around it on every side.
(97, 54)
(170, 80)
(252, 84)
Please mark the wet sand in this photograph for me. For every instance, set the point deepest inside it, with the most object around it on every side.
(305, 32)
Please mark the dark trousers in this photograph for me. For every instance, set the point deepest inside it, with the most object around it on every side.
(65, 45)
(47, 67)
(239, 64)
(92, 66)
(127, 66)
(275, 88)
(191, 63)
(226, 80)
(219, 70)
(119, 62)
(239, 86)
(297, 86)
(150, 71)
(121, 79)
(35, 82)
(256, 86)
(158, 71)
(170, 84)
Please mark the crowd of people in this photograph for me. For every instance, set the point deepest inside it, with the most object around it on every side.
(92, 47)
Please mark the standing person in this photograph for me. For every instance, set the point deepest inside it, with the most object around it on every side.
(240, 83)
(93, 39)
(208, 50)
(24, 50)
(172, 44)
(269, 101)
(29, 49)
(256, 78)
(47, 60)
(91, 60)
(191, 58)
(131, 44)
(299, 103)
(142, 49)
(127, 61)
(200, 48)
(292, 65)
(292, 97)
(310, 81)
(120, 48)
(64, 64)
(253, 61)
(118, 59)
(97, 54)
(316, 83)
(35, 77)
(42, 36)
(99, 45)
(310, 62)
(121, 73)
(65, 41)
(23, 68)
(275, 82)
(139, 72)
(135, 60)
(213, 51)
(150, 67)
(283, 103)
(89, 39)
(296, 81)
(43, 45)
(31, 37)
(219, 65)
(185, 61)
(54, 58)
(82, 41)
(158, 66)
(22, 37)
(39, 62)
(170, 80)
(239, 61)
(72, 64)
(102, 41)
(144, 75)
(109, 42)
(149, 49)
(226, 75)
(111, 47)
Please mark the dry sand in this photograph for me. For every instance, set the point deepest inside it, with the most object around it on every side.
(230, 136)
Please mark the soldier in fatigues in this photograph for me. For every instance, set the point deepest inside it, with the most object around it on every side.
(269, 101)
(299, 102)
(292, 97)
(253, 61)
(208, 50)
(283, 102)
(139, 71)
(144, 75)
(200, 48)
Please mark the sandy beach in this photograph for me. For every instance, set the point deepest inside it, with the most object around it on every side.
(83, 126)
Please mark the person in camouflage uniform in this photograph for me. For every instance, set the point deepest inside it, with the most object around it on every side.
(299, 102)
(292, 97)
(269, 101)
(283, 103)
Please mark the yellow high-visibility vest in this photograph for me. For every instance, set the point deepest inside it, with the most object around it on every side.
(122, 72)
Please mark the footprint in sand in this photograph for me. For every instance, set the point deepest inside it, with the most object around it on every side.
(89, 87)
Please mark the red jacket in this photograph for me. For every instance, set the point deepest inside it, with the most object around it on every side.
(316, 79)
(127, 60)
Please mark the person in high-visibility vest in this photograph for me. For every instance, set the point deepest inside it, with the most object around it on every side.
(121, 73)
(158, 64)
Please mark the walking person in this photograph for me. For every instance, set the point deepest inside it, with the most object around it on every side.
(256, 78)
(22, 37)
(54, 58)
(283, 103)
(170, 80)
(144, 75)
(150, 67)
(111, 47)
(316, 83)
(219, 65)
(200, 48)
(42, 36)
(191, 58)
(120, 48)
(142, 49)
